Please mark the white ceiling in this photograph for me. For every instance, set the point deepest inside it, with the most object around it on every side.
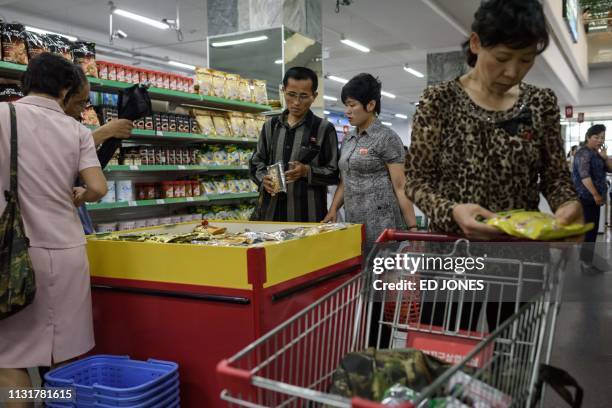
(398, 32)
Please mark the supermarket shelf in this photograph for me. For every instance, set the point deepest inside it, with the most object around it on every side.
(168, 201)
(140, 134)
(10, 70)
(181, 97)
(174, 168)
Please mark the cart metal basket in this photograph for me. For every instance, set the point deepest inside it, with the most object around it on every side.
(496, 366)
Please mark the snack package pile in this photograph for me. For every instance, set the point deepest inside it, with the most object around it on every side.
(14, 44)
(536, 226)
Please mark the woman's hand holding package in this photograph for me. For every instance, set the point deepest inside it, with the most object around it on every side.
(465, 215)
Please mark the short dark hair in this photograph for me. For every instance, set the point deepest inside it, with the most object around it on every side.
(81, 81)
(594, 130)
(50, 74)
(363, 88)
(301, 74)
(514, 23)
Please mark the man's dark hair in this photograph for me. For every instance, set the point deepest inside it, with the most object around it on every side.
(50, 74)
(301, 74)
(594, 130)
(514, 23)
(363, 88)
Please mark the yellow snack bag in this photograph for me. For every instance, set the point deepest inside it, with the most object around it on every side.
(535, 225)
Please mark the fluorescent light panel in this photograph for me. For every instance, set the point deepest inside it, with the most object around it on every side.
(326, 112)
(278, 61)
(388, 95)
(181, 65)
(355, 45)
(413, 72)
(401, 116)
(241, 41)
(141, 19)
(41, 31)
(337, 79)
(387, 123)
(330, 98)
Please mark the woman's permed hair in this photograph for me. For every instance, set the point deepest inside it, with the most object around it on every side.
(363, 88)
(50, 74)
(514, 23)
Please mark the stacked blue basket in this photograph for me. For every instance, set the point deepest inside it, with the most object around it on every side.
(104, 381)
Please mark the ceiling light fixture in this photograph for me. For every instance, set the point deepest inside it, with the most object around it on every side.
(241, 41)
(353, 44)
(41, 31)
(182, 65)
(326, 112)
(388, 95)
(278, 61)
(387, 123)
(401, 116)
(330, 98)
(337, 79)
(141, 19)
(413, 72)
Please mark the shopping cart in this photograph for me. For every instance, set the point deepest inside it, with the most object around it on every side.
(293, 365)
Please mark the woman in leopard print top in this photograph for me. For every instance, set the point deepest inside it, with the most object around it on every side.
(486, 141)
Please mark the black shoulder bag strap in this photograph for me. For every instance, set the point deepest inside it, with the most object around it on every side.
(12, 193)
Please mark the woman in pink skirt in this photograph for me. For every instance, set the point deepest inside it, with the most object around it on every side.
(54, 149)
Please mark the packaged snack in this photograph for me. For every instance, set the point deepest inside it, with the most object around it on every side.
(124, 190)
(102, 69)
(237, 123)
(219, 156)
(159, 79)
(151, 77)
(244, 90)
(205, 122)
(179, 189)
(277, 172)
(233, 156)
(195, 187)
(166, 81)
(222, 186)
(148, 121)
(209, 187)
(14, 44)
(171, 122)
(10, 92)
(188, 189)
(112, 72)
(128, 74)
(260, 92)
(221, 126)
(60, 45)
(232, 86)
(172, 82)
(218, 85)
(250, 125)
(191, 85)
(536, 226)
(204, 79)
(89, 117)
(193, 124)
(233, 185)
(136, 75)
(35, 44)
(260, 121)
(84, 54)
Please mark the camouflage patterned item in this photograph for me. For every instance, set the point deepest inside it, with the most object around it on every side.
(370, 373)
(17, 282)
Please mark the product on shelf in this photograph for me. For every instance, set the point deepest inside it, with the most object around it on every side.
(251, 126)
(14, 44)
(221, 126)
(10, 92)
(59, 45)
(232, 86)
(36, 44)
(237, 123)
(260, 92)
(110, 196)
(124, 190)
(205, 122)
(89, 117)
(218, 88)
(230, 155)
(134, 75)
(227, 185)
(204, 79)
(84, 54)
(244, 90)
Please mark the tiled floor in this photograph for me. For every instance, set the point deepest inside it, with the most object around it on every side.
(583, 341)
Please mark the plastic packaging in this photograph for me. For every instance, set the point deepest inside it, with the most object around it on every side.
(125, 191)
(111, 195)
(535, 225)
(277, 172)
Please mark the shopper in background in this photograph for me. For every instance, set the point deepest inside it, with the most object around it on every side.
(371, 166)
(589, 174)
(586, 18)
(308, 148)
(75, 102)
(486, 141)
(54, 150)
(570, 157)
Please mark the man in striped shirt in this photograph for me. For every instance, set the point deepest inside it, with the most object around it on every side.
(308, 148)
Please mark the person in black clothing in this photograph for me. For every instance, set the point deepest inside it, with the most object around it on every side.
(308, 148)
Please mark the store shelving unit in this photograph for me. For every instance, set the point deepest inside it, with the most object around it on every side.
(14, 71)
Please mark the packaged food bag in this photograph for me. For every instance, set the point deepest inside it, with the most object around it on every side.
(232, 86)
(14, 44)
(90, 117)
(36, 44)
(244, 90)
(204, 80)
(59, 45)
(84, 54)
(277, 173)
(260, 92)
(221, 125)
(237, 124)
(205, 122)
(535, 225)
(218, 84)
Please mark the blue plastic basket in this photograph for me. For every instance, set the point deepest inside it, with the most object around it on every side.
(111, 376)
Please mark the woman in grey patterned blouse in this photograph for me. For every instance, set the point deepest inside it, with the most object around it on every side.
(371, 166)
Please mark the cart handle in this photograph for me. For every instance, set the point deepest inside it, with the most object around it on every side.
(357, 402)
(236, 379)
(397, 235)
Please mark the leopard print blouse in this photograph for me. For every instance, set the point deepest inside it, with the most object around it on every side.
(501, 160)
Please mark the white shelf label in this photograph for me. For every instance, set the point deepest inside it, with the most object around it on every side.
(159, 133)
(160, 201)
(189, 199)
(133, 167)
(181, 167)
(132, 203)
(245, 139)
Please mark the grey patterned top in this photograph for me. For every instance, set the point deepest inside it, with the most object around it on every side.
(369, 197)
